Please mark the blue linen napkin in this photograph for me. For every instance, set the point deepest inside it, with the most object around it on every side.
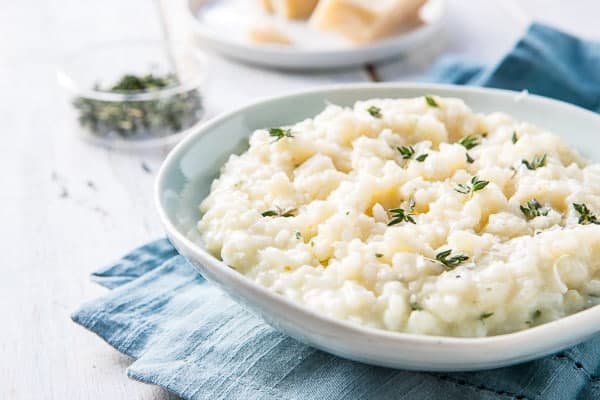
(190, 338)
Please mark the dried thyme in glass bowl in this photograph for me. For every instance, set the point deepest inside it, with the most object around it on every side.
(128, 94)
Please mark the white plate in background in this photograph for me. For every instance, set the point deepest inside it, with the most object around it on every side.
(223, 26)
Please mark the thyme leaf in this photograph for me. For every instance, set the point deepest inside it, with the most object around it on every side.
(450, 262)
(406, 151)
(468, 142)
(280, 212)
(533, 209)
(485, 315)
(399, 215)
(536, 162)
(375, 111)
(280, 133)
(472, 187)
(431, 101)
(585, 215)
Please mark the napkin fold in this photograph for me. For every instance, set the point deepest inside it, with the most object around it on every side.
(545, 61)
(190, 338)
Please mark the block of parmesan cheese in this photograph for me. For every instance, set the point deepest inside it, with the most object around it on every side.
(268, 35)
(364, 21)
(291, 9)
(266, 5)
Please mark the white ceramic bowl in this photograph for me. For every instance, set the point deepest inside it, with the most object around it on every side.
(184, 180)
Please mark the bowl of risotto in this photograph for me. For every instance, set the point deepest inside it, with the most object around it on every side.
(413, 226)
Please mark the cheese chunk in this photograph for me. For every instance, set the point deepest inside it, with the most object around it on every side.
(364, 21)
(291, 9)
(268, 35)
(266, 5)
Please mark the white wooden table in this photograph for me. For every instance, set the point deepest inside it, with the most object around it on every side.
(67, 208)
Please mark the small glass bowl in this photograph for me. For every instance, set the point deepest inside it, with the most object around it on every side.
(134, 119)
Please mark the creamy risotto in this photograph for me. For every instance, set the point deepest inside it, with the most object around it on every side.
(413, 215)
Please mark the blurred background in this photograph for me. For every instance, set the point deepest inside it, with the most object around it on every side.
(69, 207)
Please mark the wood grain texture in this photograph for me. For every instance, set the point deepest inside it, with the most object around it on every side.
(68, 207)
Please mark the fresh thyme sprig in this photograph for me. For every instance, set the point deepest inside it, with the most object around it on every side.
(468, 142)
(280, 212)
(585, 215)
(280, 133)
(450, 262)
(400, 215)
(408, 151)
(536, 162)
(375, 112)
(533, 209)
(475, 185)
(431, 101)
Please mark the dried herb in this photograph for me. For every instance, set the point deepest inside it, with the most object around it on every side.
(585, 215)
(422, 157)
(536, 162)
(450, 262)
(470, 159)
(378, 255)
(533, 209)
(374, 111)
(514, 138)
(137, 119)
(415, 306)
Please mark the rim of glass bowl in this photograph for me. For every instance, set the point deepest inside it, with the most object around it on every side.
(66, 79)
